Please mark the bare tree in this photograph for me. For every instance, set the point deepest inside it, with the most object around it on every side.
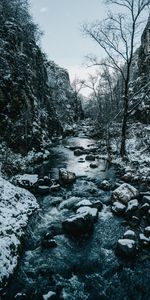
(118, 35)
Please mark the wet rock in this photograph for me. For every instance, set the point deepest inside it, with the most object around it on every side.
(27, 181)
(147, 231)
(146, 199)
(66, 177)
(43, 189)
(145, 207)
(90, 157)
(80, 223)
(78, 152)
(93, 212)
(131, 207)
(134, 222)
(127, 177)
(81, 160)
(126, 247)
(143, 240)
(98, 204)
(83, 203)
(73, 148)
(105, 185)
(129, 234)
(118, 208)
(41, 181)
(148, 216)
(55, 187)
(47, 180)
(93, 166)
(50, 296)
(125, 193)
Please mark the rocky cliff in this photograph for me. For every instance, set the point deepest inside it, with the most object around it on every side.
(35, 95)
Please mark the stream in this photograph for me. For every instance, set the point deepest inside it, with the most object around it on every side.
(77, 268)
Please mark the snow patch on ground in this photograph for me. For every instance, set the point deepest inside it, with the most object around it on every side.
(16, 204)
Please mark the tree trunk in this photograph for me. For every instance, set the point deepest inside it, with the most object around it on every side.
(124, 127)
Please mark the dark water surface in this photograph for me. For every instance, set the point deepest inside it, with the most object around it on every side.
(77, 269)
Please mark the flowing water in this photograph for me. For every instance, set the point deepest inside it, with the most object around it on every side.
(78, 268)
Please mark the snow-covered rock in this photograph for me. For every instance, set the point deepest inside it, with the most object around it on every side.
(15, 207)
(126, 247)
(25, 180)
(118, 208)
(129, 234)
(125, 193)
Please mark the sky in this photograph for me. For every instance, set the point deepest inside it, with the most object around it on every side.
(63, 40)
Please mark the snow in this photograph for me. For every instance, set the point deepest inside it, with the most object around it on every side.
(26, 178)
(126, 242)
(125, 192)
(87, 210)
(48, 295)
(118, 205)
(15, 207)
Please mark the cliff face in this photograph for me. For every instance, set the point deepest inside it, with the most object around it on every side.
(142, 113)
(35, 95)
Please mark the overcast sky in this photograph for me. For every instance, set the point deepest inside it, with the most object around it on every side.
(61, 20)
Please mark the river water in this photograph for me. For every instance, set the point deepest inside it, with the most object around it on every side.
(78, 268)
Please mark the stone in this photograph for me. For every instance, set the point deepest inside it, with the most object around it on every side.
(50, 296)
(146, 199)
(93, 166)
(131, 207)
(81, 160)
(81, 223)
(129, 234)
(73, 148)
(143, 240)
(98, 204)
(105, 185)
(147, 231)
(83, 203)
(47, 180)
(93, 212)
(148, 216)
(118, 208)
(125, 193)
(145, 207)
(78, 152)
(26, 181)
(43, 189)
(55, 187)
(90, 157)
(66, 177)
(135, 221)
(126, 247)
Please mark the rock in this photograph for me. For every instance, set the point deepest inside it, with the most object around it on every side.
(41, 181)
(118, 208)
(143, 240)
(148, 216)
(146, 199)
(49, 243)
(50, 296)
(83, 203)
(145, 207)
(131, 207)
(135, 221)
(127, 177)
(80, 223)
(98, 204)
(105, 185)
(90, 157)
(73, 148)
(78, 152)
(147, 231)
(93, 166)
(66, 177)
(129, 234)
(47, 180)
(21, 296)
(55, 188)
(125, 193)
(26, 181)
(81, 160)
(126, 247)
(93, 212)
(43, 189)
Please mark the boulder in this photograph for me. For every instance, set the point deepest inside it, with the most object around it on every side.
(78, 152)
(81, 223)
(143, 240)
(118, 208)
(146, 199)
(126, 247)
(66, 177)
(93, 166)
(131, 207)
(125, 193)
(43, 189)
(129, 234)
(90, 157)
(105, 185)
(147, 231)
